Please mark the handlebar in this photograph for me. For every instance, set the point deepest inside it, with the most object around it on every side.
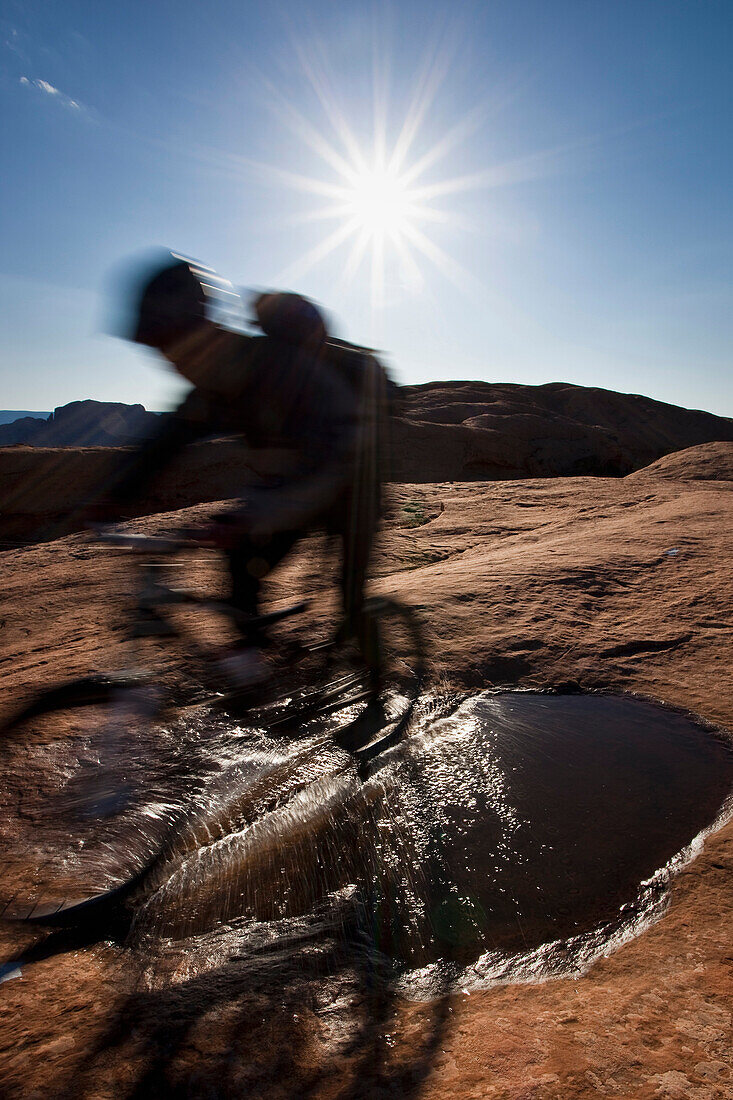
(145, 544)
(161, 595)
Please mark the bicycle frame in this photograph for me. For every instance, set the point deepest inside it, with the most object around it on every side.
(324, 695)
(153, 596)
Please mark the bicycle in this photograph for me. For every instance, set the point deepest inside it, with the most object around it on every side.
(361, 696)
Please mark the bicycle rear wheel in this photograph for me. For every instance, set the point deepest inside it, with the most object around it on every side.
(71, 827)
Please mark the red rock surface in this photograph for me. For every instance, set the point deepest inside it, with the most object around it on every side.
(445, 431)
(708, 462)
(531, 583)
(44, 490)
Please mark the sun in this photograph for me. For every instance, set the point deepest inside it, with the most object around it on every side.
(379, 200)
(382, 194)
(379, 204)
(379, 192)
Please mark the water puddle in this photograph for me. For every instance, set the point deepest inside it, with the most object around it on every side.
(568, 848)
(521, 835)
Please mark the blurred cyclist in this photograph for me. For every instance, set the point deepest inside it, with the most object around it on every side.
(292, 387)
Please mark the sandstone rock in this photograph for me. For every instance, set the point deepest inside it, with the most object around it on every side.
(542, 581)
(43, 491)
(82, 424)
(475, 430)
(709, 462)
(445, 431)
(21, 430)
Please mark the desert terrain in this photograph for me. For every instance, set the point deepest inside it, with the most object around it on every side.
(591, 583)
(440, 431)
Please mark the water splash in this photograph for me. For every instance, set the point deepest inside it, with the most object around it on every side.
(511, 837)
(516, 834)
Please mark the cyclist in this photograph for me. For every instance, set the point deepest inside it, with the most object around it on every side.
(294, 387)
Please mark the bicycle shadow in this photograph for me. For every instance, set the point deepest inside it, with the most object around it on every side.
(325, 1018)
(322, 1021)
(321, 1014)
(66, 940)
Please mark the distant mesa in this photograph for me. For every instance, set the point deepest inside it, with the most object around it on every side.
(459, 431)
(9, 416)
(81, 424)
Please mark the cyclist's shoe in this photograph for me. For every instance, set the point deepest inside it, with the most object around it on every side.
(244, 669)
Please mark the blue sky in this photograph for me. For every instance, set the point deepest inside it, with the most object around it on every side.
(571, 219)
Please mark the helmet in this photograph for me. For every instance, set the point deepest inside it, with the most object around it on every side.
(175, 299)
(291, 318)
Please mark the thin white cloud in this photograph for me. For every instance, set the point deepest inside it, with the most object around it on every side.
(49, 89)
(13, 40)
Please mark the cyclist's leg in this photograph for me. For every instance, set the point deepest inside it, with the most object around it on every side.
(249, 562)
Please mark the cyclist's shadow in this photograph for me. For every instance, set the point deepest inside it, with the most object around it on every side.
(255, 1030)
(319, 1015)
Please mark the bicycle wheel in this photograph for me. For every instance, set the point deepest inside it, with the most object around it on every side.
(71, 827)
(394, 648)
(396, 631)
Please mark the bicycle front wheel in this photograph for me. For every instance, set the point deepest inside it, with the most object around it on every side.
(394, 647)
(380, 666)
(73, 765)
(373, 710)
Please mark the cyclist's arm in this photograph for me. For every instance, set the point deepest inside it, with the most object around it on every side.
(221, 369)
(177, 430)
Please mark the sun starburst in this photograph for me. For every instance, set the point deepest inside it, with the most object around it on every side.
(380, 201)
(379, 196)
(384, 195)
